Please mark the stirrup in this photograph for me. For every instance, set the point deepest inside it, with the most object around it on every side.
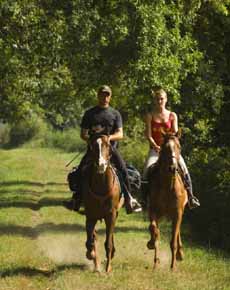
(144, 181)
(132, 206)
(136, 207)
(193, 202)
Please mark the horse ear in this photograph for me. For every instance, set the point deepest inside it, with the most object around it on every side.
(178, 133)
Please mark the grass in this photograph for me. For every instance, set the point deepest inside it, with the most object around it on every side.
(42, 244)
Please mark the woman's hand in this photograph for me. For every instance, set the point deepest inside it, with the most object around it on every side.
(156, 147)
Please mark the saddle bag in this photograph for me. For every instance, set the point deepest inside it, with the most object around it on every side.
(134, 178)
(72, 179)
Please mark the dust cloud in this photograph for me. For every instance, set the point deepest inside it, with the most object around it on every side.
(63, 249)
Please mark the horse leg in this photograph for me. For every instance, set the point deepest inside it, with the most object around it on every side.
(91, 243)
(180, 253)
(175, 237)
(109, 242)
(153, 243)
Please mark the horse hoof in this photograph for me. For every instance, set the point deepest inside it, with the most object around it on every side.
(97, 270)
(150, 245)
(90, 255)
(179, 256)
(109, 270)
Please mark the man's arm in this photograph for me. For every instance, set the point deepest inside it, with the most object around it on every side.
(118, 135)
(84, 134)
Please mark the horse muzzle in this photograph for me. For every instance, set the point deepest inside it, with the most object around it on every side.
(173, 166)
(101, 167)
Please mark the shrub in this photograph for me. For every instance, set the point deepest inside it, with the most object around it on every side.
(134, 152)
(25, 130)
(4, 134)
(68, 140)
(210, 169)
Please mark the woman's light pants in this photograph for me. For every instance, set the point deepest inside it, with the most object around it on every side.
(153, 157)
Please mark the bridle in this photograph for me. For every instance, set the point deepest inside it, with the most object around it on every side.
(167, 149)
(100, 162)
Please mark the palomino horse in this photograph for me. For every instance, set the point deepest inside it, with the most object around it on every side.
(167, 197)
(101, 194)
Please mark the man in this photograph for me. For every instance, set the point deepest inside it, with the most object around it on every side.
(103, 119)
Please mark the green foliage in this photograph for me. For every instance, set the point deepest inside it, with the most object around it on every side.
(55, 55)
(25, 130)
(211, 169)
(4, 134)
(68, 140)
(205, 94)
(34, 132)
(134, 152)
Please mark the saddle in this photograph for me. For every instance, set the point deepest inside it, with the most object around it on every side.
(153, 169)
(74, 178)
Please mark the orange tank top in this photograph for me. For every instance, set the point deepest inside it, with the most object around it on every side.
(158, 127)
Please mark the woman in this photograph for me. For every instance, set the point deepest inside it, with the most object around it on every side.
(161, 119)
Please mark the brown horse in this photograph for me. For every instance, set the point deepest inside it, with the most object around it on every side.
(101, 194)
(167, 197)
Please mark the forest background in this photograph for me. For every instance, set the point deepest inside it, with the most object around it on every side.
(55, 54)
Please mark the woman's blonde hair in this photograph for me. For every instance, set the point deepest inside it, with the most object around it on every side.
(158, 91)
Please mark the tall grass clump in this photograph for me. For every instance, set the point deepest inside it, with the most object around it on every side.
(134, 152)
(134, 147)
(35, 132)
(25, 130)
(4, 134)
(67, 140)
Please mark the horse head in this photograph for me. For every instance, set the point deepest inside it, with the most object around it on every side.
(170, 151)
(101, 151)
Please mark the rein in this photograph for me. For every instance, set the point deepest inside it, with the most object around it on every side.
(169, 166)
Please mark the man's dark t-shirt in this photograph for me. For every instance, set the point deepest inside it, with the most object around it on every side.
(102, 120)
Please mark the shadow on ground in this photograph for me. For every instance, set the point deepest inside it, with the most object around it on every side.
(30, 272)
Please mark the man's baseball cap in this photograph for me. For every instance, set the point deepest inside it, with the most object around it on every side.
(105, 89)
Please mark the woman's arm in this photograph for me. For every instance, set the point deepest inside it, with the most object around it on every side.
(148, 133)
(174, 122)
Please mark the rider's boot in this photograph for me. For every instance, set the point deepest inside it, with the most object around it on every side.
(75, 202)
(193, 202)
(144, 193)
